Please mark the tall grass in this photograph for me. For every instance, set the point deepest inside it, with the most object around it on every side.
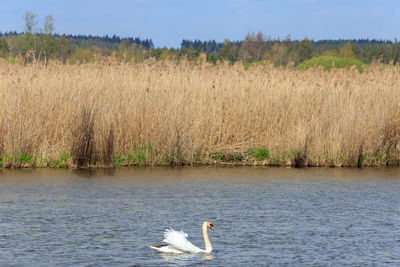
(167, 113)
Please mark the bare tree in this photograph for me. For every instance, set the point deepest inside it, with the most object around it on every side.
(253, 47)
(47, 40)
(259, 46)
(48, 24)
(30, 22)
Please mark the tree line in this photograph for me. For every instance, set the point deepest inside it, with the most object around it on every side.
(40, 44)
(258, 47)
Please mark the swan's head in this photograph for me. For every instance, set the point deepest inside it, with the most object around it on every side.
(209, 225)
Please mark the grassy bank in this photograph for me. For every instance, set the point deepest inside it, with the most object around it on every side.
(168, 114)
(327, 63)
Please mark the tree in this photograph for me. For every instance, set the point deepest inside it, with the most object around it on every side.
(370, 53)
(305, 50)
(164, 54)
(247, 48)
(260, 46)
(16, 45)
(48, 24)
(130, 52)
(234, 53)
(32, 41)
(357, 52)
(63, 49)
(279, 54)
(30, 22)
(139, 53)
(200, 48)
(48, 44)
(225, 51)
(4, 51)
(253, 47)
(212, 57)
(396, 51)
(49, 47)
(346, 51)
(123, 49)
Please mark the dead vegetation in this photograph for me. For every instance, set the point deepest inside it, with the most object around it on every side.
(158, 113)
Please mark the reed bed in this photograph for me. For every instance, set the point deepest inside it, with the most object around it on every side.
(157, 113)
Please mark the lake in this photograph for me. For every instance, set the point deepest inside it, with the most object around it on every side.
(261, 216)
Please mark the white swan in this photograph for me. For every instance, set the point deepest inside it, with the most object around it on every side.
(176, 242)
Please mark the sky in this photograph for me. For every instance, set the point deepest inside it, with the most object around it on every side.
(167, 22)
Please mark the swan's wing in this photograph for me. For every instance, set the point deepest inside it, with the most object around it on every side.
(178, 240)
(166, 249)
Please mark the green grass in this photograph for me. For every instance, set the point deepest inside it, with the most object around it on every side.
(24, 158)
(62, 160)
(378, 157)
(247, 65)
(42, 161)
(140, 156)
(18, 158)
(218, 157)
(137, 157)
(139, 153)
(328, 62)
(173, 159)
(260, 153)
(118, 161)
(12, 60)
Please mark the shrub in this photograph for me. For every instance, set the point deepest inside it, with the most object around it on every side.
(328, 62)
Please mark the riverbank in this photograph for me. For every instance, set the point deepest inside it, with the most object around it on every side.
(258, 157)
(163, 113)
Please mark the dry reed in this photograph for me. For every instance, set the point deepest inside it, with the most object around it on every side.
(166, 113)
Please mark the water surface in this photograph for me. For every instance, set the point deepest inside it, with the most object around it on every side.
(262, 216)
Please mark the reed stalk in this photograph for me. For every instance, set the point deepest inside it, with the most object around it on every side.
(157, 113)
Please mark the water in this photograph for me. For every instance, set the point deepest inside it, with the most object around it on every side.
(262, 216)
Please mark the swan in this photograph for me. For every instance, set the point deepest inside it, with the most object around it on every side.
(176, 242)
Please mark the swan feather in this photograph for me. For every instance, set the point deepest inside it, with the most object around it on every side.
(178, 240)
(166, 249)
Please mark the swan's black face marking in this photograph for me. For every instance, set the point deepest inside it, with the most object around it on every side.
(211, 226)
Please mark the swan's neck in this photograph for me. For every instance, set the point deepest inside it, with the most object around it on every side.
(206, 239)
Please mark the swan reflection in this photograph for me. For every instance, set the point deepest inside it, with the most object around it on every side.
(184, 257)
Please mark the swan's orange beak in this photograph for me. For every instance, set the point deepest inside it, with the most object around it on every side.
(212, 227)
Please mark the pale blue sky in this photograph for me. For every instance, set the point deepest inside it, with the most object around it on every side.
(167, 22)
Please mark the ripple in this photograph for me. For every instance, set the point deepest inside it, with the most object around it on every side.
(270, 216)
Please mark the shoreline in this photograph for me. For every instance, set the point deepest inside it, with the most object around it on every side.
(167, 114)
(293, 162)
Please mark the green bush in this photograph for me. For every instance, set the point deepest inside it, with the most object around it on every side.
(329, 62)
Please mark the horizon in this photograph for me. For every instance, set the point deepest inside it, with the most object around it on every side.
(205, 40)
(168, 23)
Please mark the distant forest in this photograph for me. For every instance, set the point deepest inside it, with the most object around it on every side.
(40, 45)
